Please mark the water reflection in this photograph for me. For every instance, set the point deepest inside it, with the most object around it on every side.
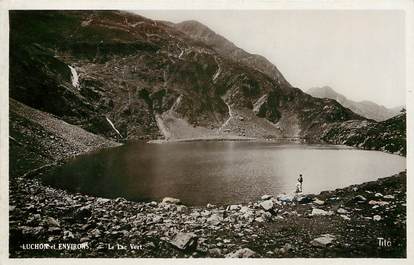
(218, 172)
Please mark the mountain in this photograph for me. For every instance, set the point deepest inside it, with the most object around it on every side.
(364, 108)
(122, 76)
(225, 48)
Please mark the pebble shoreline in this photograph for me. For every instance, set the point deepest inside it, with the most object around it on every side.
(328, 224)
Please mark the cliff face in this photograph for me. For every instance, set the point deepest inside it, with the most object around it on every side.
(365, 108)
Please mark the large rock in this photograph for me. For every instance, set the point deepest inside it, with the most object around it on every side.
(52, 222)
(318, 202)
(266, 197)
(341, 211)
(285, 198)
(267, 205)
(83, 212)
(323, 240)
(242, 253)
(359, 199)
(380, 203)
(184, 241)
(304, 199)
(171, 200)
(214, 219)
(316, 211)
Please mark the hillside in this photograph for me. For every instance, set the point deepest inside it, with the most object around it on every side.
(364, 108)
(123, 76)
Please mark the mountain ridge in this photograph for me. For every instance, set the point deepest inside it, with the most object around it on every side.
(364, 108)
(125, 77)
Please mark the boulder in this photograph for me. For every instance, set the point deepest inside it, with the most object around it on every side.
(341, 211)
(209, 206)
(214, 219)
(316, 211)
(184, 241)
(215, 253)
(323, 240)
(318, 202)
(171, 200)
(285, 198)
(359, 199)
(267, 205)
(52, 222)
(83, 212)
(380, 203)
(376, 218)
(233, 207)
(345, 217)
(242, 253)
(266, 197)
(102, 200)
(304, 199)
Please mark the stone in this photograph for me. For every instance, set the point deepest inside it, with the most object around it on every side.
(267, 216)
(359, 199)
(234, 207)
(267, 205)
(157, 219)
(285, 198)
(84, 239)
(102, 200)
(83, 212)
(316, 211)
(245, 209)
(181, 208)
(171, 200)
(323, 240)
(209, 206)
(345, 217)
(378, 195)
(214, 219)
(266, 197)
(184, 241)
(318, 202)
(380, 203)
(304, 199)
(389, 197)
(242, 253)
(341, 211)
(259, 220)
(68, 235)
(52, 222)
(215, 253)
(95, 232)
(376, 218)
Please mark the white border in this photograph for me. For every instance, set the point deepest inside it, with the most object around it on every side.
(5, 5)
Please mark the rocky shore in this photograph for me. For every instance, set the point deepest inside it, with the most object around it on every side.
(367, 220)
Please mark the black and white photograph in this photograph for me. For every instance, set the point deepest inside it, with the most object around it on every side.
(198, 132)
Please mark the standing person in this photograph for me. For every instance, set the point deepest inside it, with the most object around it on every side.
(300, 180)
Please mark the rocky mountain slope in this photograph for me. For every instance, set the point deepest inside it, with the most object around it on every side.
(122, 76)
(364, 108)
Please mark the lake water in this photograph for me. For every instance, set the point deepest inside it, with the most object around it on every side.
(219, 172)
